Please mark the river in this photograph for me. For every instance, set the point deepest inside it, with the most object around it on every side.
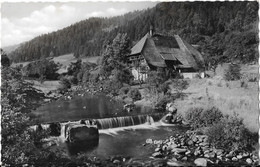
(123, 141)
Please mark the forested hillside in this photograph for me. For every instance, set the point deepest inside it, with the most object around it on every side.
(225, 31)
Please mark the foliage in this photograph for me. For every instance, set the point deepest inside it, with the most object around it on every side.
(114, 56)
(5, 61)
(122, 76)
(19, 144)
(243, 84)
(199, 117)
(156, 78)
(179, 84)
(42, 68)
(124, 90)
(112, 87)
(20, 94)
(231, 134)
(134, 94)
(161, 103)
(74, 67)
(65, 84)
(164, 87)
(233, 72)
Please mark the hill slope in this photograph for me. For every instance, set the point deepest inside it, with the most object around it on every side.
(226, 31)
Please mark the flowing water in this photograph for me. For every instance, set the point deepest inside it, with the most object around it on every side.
(120, 132)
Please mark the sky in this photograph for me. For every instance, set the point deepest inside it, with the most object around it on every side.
(22, 21)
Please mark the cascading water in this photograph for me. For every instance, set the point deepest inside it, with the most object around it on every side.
(107, 123)
(63, 132)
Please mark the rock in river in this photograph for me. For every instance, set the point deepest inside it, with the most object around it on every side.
(200, 162)
(80, 132)
(157, 155)
(249, 161)
(179, 150)
(174, 163)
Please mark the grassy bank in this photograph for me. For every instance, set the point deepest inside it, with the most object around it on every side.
(229, 97)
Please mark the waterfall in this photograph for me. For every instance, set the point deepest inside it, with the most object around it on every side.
(107, 123)
(60, 129)
(63, 132)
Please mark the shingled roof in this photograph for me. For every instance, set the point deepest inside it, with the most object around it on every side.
(158, 48)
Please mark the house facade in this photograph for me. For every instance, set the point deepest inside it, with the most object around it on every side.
(155, 51)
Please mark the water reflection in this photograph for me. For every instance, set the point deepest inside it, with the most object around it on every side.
(82, 147)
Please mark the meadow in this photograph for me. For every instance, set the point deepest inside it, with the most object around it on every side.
(229, 96)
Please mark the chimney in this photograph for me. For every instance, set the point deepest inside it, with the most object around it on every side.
(151, 30)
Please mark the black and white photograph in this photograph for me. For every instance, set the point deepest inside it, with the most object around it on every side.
(129, 83)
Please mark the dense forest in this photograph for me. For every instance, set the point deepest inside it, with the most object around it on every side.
(225, 31)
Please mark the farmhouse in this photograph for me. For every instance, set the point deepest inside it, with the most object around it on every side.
(155, 51)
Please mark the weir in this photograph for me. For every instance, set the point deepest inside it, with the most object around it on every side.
(60, 129)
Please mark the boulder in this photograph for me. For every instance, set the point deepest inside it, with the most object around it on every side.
(149, 141)
(188, 153)
(179, 150)
(116, 161)
(234, 159)
(175, 163)
(200, 162)
(157, 155)
(81, 133)
(158, 149)
(170, 107)
(245, 155)
(249, 161)
(239, 156)
(172, 146)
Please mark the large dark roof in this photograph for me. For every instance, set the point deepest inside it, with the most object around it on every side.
(158, 48)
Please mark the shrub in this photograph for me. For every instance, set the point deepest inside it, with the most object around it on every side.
(200, 117)
(164, 87)
(193, 115)
(134, 94)
(161, 104)
(211, 115)
(252, 79)
(244, 84)
(65, 84)
(233, 72)
(112, 87)
(231, 134)
(124, 90)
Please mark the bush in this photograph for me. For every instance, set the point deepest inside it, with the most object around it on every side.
(211, 116)
(112, 87)
(252, 79)
(124, 90)
(164, 87)
(134, 94)
(161, 104)
(65, 84)
(231, 134)
(243, 84)
(193, 115)
(200, 117)
(233, 72)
